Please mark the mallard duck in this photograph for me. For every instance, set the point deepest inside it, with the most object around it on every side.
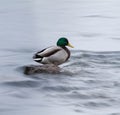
(55, 54)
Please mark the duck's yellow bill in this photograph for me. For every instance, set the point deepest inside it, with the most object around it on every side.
(70, 45)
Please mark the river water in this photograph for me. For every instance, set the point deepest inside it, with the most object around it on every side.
(89, 83)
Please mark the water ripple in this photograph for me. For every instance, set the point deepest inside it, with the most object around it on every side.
(26, 84)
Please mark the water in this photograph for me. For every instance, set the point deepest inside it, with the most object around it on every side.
(89, 83)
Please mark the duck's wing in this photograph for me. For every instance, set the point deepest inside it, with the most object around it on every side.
(47, 52)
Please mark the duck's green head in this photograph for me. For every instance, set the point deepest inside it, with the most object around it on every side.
(63, 42)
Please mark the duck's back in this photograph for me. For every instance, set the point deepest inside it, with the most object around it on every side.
(52, 55)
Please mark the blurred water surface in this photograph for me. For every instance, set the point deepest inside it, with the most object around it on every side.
(89, 83)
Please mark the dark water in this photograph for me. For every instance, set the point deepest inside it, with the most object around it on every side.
(89, 83)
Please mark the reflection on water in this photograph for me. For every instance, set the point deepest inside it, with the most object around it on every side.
(88, 83)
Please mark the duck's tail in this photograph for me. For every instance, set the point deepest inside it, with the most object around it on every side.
(37, 58)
